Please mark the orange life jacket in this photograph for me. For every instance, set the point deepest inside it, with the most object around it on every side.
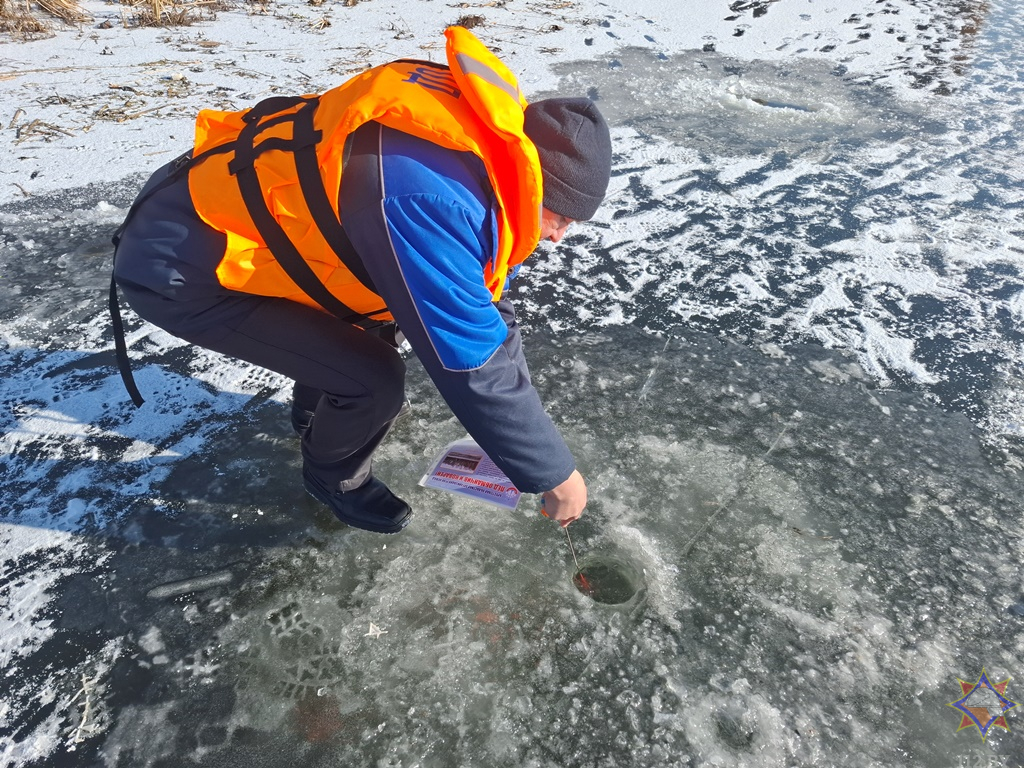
(270, 176)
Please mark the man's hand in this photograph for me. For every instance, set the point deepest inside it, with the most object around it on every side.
(565, 502)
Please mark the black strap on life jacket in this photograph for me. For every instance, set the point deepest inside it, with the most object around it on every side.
(178, 168)
(302, 145)
(121, 348)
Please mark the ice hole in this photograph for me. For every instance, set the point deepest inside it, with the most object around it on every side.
(607, 579)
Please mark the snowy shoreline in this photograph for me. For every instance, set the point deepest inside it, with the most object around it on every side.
(99, 103)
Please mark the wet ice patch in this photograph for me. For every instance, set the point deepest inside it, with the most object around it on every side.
(733, 107)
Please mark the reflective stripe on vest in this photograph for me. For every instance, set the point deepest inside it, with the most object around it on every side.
(286, 168)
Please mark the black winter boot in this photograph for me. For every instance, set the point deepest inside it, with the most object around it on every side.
(372, 506)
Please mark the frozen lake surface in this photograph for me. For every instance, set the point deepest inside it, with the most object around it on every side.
(787, 355)
(820, 561)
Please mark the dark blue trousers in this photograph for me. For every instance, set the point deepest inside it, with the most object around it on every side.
(353, 381)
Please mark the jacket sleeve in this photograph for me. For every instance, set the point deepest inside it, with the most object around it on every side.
(423, 255)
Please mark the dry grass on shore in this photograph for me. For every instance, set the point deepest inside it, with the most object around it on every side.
(32, 19)
(20, 22)
(158, 13)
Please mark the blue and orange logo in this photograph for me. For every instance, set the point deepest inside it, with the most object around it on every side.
(983, 705)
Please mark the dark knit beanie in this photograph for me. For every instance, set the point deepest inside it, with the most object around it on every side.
(575, 151)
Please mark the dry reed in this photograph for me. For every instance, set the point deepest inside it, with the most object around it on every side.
(67, 11)
(158, 13)
(19, 22)
(30, 19)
